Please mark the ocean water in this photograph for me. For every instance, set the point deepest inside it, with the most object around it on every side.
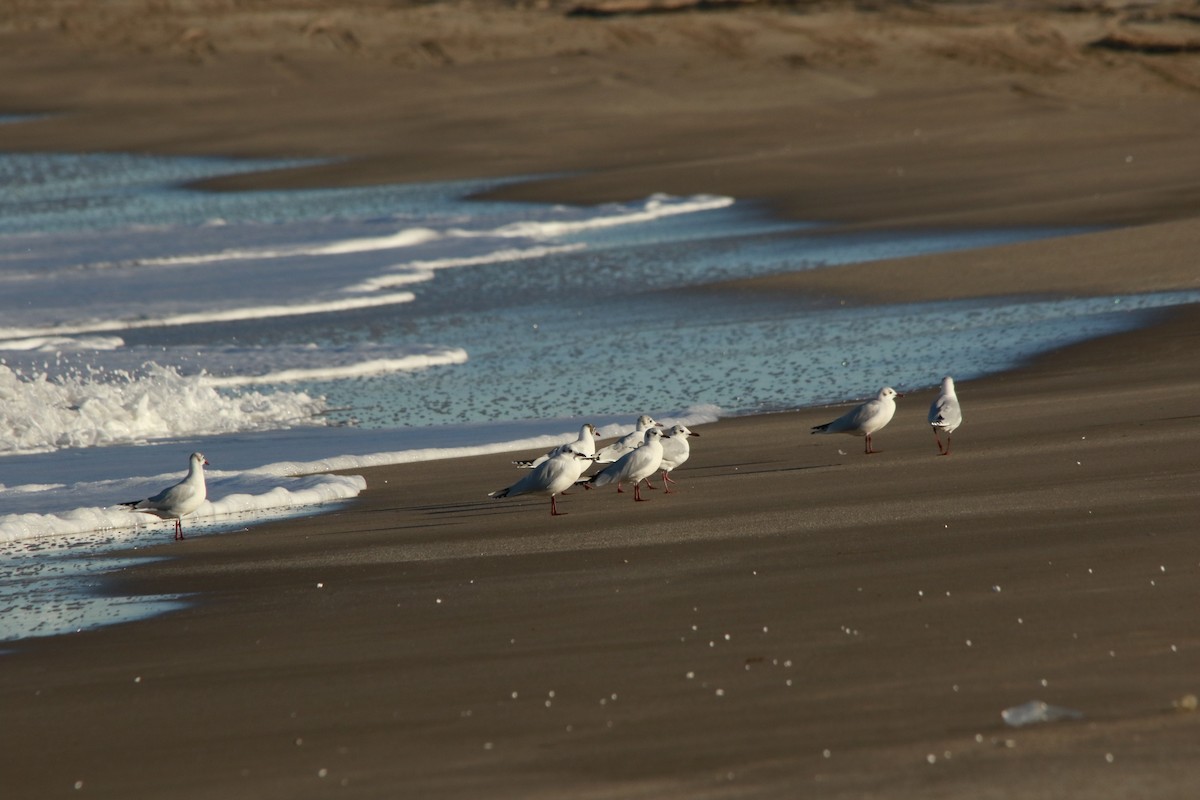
(285, 333)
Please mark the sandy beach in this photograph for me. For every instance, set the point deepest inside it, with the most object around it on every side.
(798, 619)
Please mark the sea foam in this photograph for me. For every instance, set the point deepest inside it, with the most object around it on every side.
(274, 495)
(91, 408)
(257, 312)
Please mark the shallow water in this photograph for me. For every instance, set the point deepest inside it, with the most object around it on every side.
(287, 332)
(57, 584)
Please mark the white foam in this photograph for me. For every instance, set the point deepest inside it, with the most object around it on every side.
(55, 344)
(89, 409)
(390, 281)
(656, 207)
(214, 315)
(291, 493)
(363, 369)
(424, 269)
(394, 241)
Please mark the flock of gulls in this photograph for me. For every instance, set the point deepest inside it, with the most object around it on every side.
(634, 458)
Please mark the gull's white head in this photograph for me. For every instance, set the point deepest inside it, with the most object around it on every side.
(681, 430)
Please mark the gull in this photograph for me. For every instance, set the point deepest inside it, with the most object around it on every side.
(176, 502)
(557, 473)
(676, 449)
(865, 419)
(630, 441)
(945, 414)
(585, 444)
(636, 465)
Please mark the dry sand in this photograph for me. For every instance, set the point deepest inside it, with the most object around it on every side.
(794, 622)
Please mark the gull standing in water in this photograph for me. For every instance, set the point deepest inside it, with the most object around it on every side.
(865, 419)
(945, 414)
(176, 502)
(636, 465)
(585, 445)
(676, 450)
(554, 475)
(611, 453)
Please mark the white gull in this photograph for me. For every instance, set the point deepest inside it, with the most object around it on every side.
(865, 419)
(585, 445)
(636, 465)
(676, 450)
(945, 414)
(554, 475)
(630, 441)
(176, 502)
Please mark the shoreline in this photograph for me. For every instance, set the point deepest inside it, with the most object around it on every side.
(799, 618)
(480, 622)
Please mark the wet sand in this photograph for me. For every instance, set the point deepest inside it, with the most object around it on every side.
(798, 619)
